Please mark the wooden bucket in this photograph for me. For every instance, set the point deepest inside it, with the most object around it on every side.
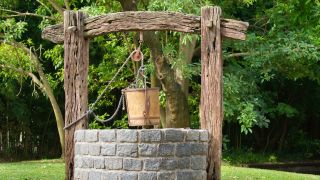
(143, 106)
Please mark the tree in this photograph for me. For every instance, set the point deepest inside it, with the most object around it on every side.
(173, 80)
(24, 62)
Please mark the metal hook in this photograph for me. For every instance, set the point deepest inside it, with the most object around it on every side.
(140, 38)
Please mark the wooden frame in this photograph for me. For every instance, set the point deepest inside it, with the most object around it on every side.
(77, 29)
(146, 21)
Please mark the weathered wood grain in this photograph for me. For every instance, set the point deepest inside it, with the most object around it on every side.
(146, 21)
(53, 33)
(211, 107)
(76, 63)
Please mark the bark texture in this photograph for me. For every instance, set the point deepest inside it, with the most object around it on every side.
(186, 51)
(56, 109)
(76, 62)
(146, 21)
(211, 107)
(177, 112)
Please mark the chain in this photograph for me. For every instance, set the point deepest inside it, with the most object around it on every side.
(90, 110)
(121, 101)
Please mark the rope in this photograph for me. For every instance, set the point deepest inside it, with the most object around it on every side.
(90, 110)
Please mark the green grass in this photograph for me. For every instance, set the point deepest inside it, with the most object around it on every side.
(233, 172)
(32, 170)
(54, 169)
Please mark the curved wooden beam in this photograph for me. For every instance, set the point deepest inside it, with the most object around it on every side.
(146, 21)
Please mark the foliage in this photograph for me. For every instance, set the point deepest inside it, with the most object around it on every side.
(274, 79)
(122, 123)
(247, 156)
(303, 145)
(12, 29)
(186, 6)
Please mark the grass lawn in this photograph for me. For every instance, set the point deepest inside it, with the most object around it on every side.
(54, 169)
(29, 170)
(233, 172)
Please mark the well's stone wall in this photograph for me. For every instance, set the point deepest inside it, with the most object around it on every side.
(147, 154)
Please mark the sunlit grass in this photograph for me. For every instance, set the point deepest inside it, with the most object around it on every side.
(232, 172)
(54, 169)
(32, 170)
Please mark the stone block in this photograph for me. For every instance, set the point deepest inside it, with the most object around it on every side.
(132, 164)
(98, 162)
(107, 175)
(204, 136)
(127, 150)
(84, 148)
(91, 135)
(166, 175)
(87, 162)
(184, 175)
(77, 149)
(94, 149)
(152, 164)
(94, 175)
(79, 136)
(148, 135)
(77, 161)
(168, 163)
(198, 162)
(192, 135)
(113, 163)
(148, 150)
(199, 149)
(183, 149)
(77, 172)
(107, 135)
(166, 149)
(148, 176)
(174, 135)
(127, 135)
(183, 163)
(199, 175)
(108, 149)
(81, 174)
(129, 176)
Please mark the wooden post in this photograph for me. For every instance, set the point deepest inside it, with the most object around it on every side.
(211, 113)
(76, 62)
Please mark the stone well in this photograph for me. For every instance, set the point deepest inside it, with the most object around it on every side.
(147, 154)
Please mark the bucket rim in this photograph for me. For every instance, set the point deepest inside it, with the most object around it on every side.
(139, 89)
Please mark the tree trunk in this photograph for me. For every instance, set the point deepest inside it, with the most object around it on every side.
(53, 101)
(186, 53)
(57, 113)
(177, 112)
(156, 83)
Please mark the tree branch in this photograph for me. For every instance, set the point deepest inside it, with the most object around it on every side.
(44, 86)
(237, 55)
(56, 6)
(34, 78)
(16, 14)
(40, 2)
(34, 59)
(67, 4)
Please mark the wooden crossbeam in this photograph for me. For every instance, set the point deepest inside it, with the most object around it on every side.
(146, 21)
